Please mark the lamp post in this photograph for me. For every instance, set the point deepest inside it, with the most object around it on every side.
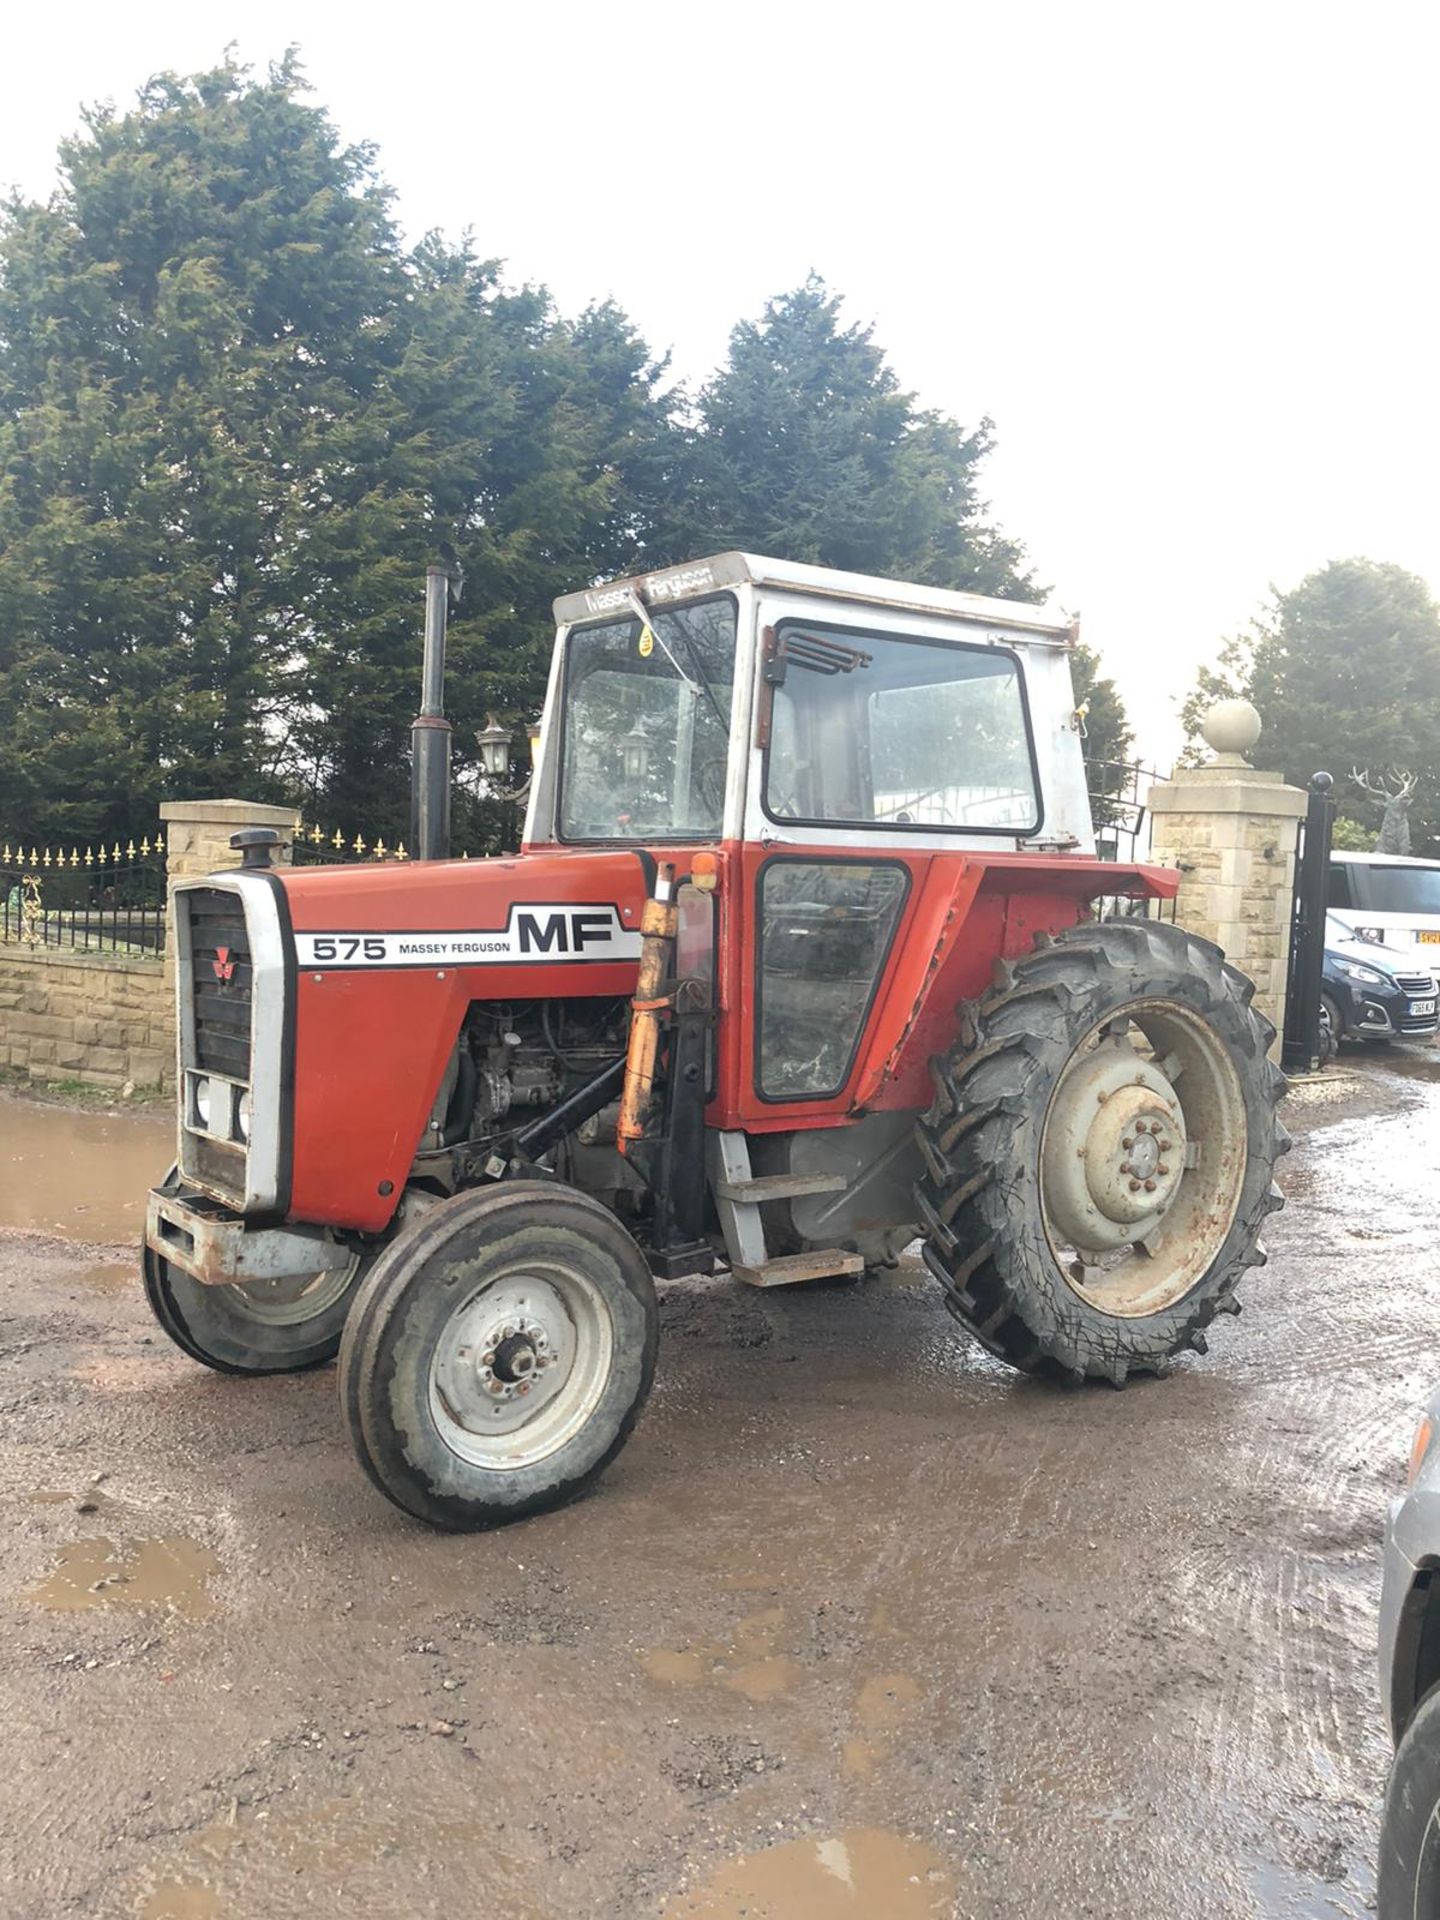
(493, 741)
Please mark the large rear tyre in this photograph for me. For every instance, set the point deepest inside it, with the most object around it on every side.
(1100, 1151)
(499, 1354)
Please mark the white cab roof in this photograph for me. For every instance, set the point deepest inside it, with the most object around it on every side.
(698, 577)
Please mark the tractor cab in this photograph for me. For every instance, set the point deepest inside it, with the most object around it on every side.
(742, 699)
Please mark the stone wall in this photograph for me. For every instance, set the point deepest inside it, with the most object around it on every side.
(108, 1020)
(103, 1019)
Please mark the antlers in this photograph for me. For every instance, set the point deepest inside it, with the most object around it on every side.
(1402, 792)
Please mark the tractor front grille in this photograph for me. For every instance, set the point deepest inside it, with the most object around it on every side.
(222, 981)
(230, 963)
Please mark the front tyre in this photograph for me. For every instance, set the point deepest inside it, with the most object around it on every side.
(1100, 1151)
(499, 1354)
(258, 1326)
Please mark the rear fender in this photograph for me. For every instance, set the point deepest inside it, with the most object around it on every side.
(969, 914)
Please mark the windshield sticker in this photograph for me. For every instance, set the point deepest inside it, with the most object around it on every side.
(532, 933)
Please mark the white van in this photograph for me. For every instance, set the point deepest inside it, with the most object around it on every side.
(1387, 897)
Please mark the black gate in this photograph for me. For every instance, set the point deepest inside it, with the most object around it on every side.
(1303, 1050)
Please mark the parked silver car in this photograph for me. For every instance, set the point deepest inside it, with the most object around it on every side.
(1409, 1881)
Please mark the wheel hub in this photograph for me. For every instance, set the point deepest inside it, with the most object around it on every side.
(1115, 1150)
(504, 1356)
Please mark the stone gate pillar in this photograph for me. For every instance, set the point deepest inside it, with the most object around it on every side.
(197, 841)
(197, 833)
(1231, 830)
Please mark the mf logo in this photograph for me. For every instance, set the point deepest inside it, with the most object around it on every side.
(535, 933)
(224, 966)
(569, 930)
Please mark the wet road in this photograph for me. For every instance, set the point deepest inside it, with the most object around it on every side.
(859, 1625)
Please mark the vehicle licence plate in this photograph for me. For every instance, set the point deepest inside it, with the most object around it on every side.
(1429, 936)
(1419, 1007)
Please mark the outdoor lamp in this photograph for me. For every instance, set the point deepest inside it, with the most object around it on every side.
(636, 749)
(493, 741)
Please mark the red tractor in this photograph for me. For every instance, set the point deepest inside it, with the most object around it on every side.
(798, 964)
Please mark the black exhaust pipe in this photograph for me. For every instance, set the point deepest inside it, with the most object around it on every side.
(430, 734)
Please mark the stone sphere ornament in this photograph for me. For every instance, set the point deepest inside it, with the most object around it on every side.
(1231, 727)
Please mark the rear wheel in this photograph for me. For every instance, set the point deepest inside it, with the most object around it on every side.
(499, 1354)
(1100, 1150)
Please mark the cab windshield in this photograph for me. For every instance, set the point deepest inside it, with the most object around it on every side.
(647, 726)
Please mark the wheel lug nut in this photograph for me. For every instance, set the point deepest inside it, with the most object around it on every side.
(1149, 1186)
(1164, 1171)
(1164, 1146)
(1128, 1142)
(1134, 1186)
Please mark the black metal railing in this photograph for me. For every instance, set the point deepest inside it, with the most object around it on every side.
(92, 899)
(1120, 813)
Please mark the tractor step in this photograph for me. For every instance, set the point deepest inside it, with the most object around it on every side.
(821, 1263)
(779, 1186)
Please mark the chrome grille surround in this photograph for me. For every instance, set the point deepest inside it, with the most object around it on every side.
(230, 1038)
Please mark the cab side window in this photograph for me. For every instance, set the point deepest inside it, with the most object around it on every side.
(825, 930)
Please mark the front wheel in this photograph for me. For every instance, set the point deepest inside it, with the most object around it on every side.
(1100, 1151)
(283, 1325)
(499, 1354)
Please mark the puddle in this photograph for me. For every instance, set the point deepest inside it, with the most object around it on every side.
(750, 1665)
(180, 1900)
(862, 1874)
(81, 1175)
(111, 1277)
(859, 1758)
(173, 1574)
(885, 1700)
(765, 1679)
(259, 1862)
(675, 1669)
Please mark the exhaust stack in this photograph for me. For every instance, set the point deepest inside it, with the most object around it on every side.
(430, 733)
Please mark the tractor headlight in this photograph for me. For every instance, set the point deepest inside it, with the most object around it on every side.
(202, 1097)
(1366, 975)
(243, 1113)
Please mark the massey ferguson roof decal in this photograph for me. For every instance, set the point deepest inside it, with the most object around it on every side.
(534, 932)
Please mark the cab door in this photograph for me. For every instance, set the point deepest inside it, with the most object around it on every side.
(878, 752)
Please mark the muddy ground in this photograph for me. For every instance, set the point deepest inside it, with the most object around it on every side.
(859, 1625)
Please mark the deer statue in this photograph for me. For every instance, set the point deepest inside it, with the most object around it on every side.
(1394, 834)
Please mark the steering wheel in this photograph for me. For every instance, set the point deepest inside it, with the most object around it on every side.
(708, 781)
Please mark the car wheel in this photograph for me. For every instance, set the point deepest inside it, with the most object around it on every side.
(1409, 1883)
(1332, 1029)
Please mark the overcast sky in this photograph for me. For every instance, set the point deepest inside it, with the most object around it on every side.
(1183, 256)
